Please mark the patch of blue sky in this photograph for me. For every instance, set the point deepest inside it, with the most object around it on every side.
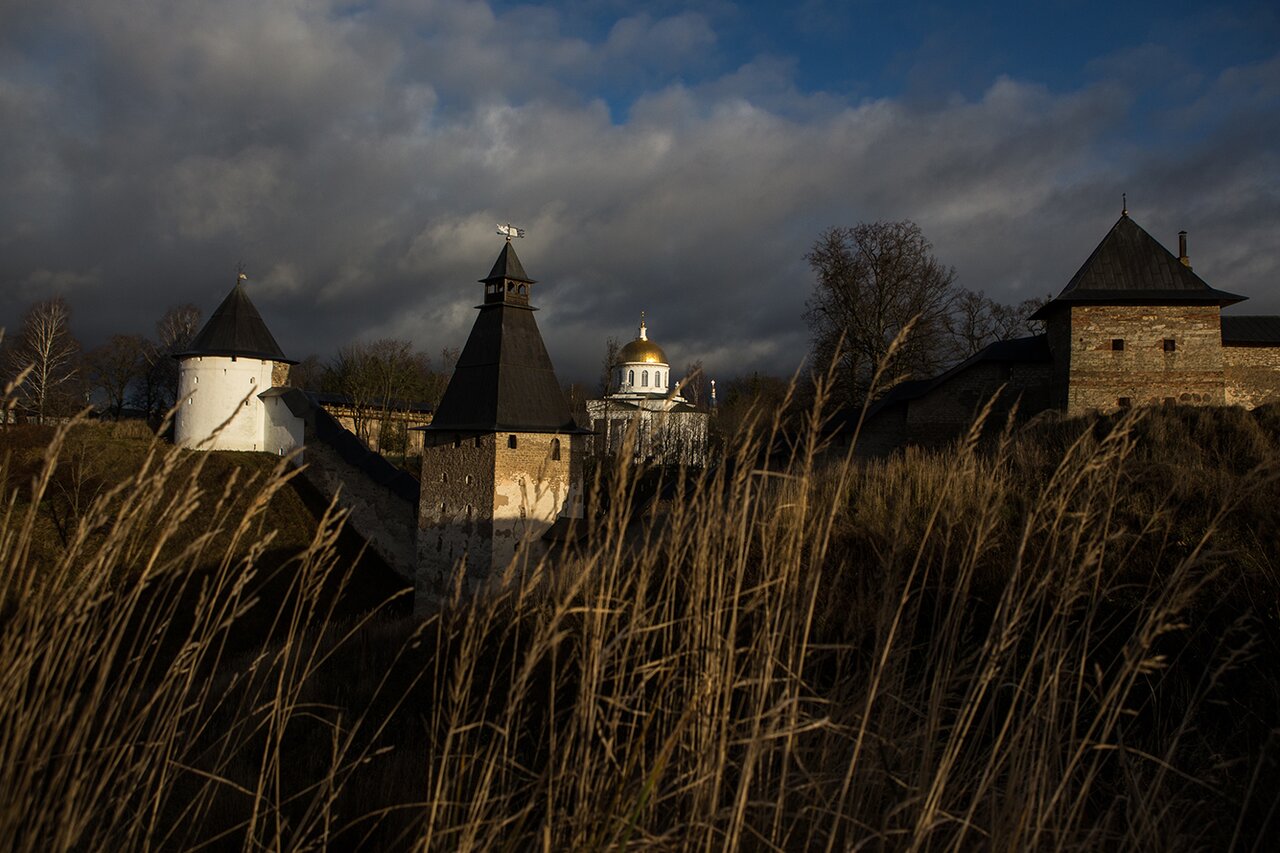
(859, 49)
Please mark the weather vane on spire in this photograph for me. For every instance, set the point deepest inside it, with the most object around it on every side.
(240, 276)
(510, 231)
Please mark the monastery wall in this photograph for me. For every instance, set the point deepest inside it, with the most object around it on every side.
(1144, 370)
(402, 427)
(1252, 375)
(949, 409)
(1058, 337)
(283, 430)
(384, 519)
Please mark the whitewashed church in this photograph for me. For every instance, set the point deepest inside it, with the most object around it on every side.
(645, 408)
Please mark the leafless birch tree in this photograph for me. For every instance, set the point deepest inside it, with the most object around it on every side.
(47, 348)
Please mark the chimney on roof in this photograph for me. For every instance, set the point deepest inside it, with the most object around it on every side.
(1182, 249)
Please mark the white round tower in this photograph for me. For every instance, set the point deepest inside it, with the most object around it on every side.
(230, 364)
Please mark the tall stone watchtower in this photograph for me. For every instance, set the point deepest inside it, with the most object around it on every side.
(502, 458)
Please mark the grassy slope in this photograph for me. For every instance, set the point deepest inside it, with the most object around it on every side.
(96, 457)
(1069, 640)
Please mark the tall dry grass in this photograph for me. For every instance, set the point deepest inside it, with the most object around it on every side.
(995, 646)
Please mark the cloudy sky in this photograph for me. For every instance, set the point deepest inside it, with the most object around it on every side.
(676, 158)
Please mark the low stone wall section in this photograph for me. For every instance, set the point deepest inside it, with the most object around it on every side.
(1252, 374)
(382, 499)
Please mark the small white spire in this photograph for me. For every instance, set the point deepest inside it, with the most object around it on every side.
(643, 333)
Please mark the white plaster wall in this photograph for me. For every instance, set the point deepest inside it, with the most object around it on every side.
(212, 389)
(284, 429)
(660, 434)
(659, 378)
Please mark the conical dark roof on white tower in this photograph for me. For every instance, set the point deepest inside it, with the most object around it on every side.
(236, 329)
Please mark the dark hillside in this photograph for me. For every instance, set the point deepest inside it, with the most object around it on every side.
(95, 459)
(1063, 638)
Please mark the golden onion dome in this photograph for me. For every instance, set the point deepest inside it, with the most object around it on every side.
(642, 350)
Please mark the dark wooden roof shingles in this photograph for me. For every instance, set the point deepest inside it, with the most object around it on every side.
(504, 380)
(1130, 265)
(236, 329)
(1254, 329)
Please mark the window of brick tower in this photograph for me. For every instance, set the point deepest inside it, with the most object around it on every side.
(1170, 345)
(1117, 344)
(555, 449)
(1125, 402)
(511, 442)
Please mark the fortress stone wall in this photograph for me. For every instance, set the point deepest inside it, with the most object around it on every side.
(1130, 355)
(1252, 374)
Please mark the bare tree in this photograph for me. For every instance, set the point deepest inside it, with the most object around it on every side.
(977, 321)
(438, 380)
(695, 385)
(307, 374)
(157, 388)
(875, 280)
(378, 378)
(751, 399)
(178, 327)
(113, 367)
(611, 348)
(46, 347)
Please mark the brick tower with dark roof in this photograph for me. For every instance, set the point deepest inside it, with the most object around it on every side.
(502, 458)
(1136, 325)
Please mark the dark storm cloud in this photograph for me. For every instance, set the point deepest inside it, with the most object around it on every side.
(357, 156)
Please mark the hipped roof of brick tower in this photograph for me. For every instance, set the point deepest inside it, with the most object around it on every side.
(1130, 267)
(236, 329)
(504, 381)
